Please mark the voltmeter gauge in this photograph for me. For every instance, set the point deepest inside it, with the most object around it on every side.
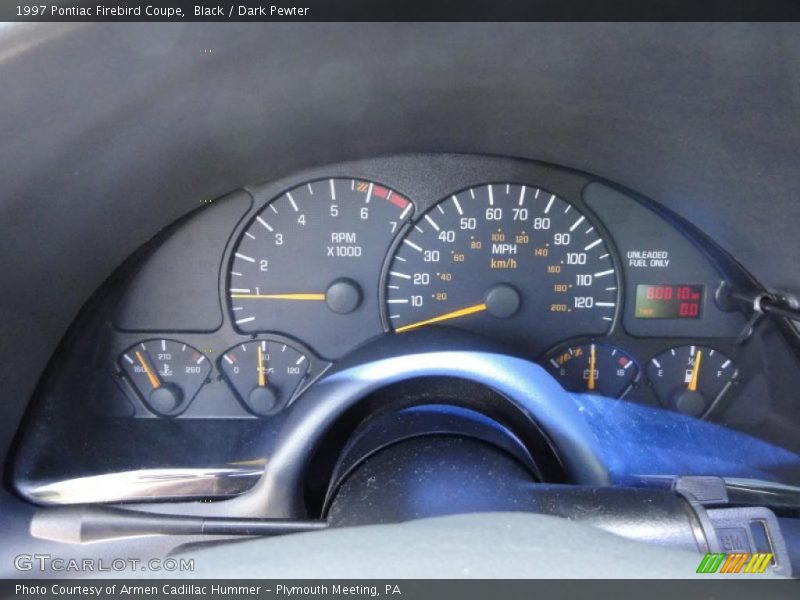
(690, 379)
(594, 368)
(165, 373)
(264, 374)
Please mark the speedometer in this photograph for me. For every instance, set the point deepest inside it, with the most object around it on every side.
(507, 261)
(309, 262)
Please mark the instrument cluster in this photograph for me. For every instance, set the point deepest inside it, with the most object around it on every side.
(195, 352)
(334, 262)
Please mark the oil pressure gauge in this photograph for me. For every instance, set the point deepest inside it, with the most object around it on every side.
(165, 373)
(264, 374)
(690, 379)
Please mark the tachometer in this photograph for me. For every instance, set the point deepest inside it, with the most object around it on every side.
(308, 264)
(507, 261)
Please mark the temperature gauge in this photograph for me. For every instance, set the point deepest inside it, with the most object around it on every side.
(264, 374)
(165, 373)
(690, 379)
(595, 369)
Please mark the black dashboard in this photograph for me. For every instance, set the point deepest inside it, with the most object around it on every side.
(251, 270)
(195, 352)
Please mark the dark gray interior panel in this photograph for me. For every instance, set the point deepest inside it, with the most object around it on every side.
(111, 132)
(176, 287)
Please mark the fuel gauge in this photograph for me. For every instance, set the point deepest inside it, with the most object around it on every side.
(264, 374)
(165, 373)
(690, 379)
(595, 369)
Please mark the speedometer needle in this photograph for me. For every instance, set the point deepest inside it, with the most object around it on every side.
(461, 312)
(281, 296)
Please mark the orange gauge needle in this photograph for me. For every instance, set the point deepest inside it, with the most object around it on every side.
(591, 367)
(148, 371)
(695, 371)
(461, 312)
(280, 296)
(262, 378)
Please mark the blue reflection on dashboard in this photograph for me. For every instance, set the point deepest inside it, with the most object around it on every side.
(633, 440)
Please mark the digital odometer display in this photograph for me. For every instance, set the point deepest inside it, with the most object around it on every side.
(673, 301)
(506, 261)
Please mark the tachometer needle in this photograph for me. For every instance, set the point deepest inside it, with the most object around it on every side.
(280, 296)
(461, 312)
(148, 371)
(695, 372)
(591, 367)
(262, 378)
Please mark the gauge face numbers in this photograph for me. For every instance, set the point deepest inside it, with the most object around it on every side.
(594, 369)
(503, 260)
(166, 374)
(307, 264)
(690, 379)
(264, 374)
